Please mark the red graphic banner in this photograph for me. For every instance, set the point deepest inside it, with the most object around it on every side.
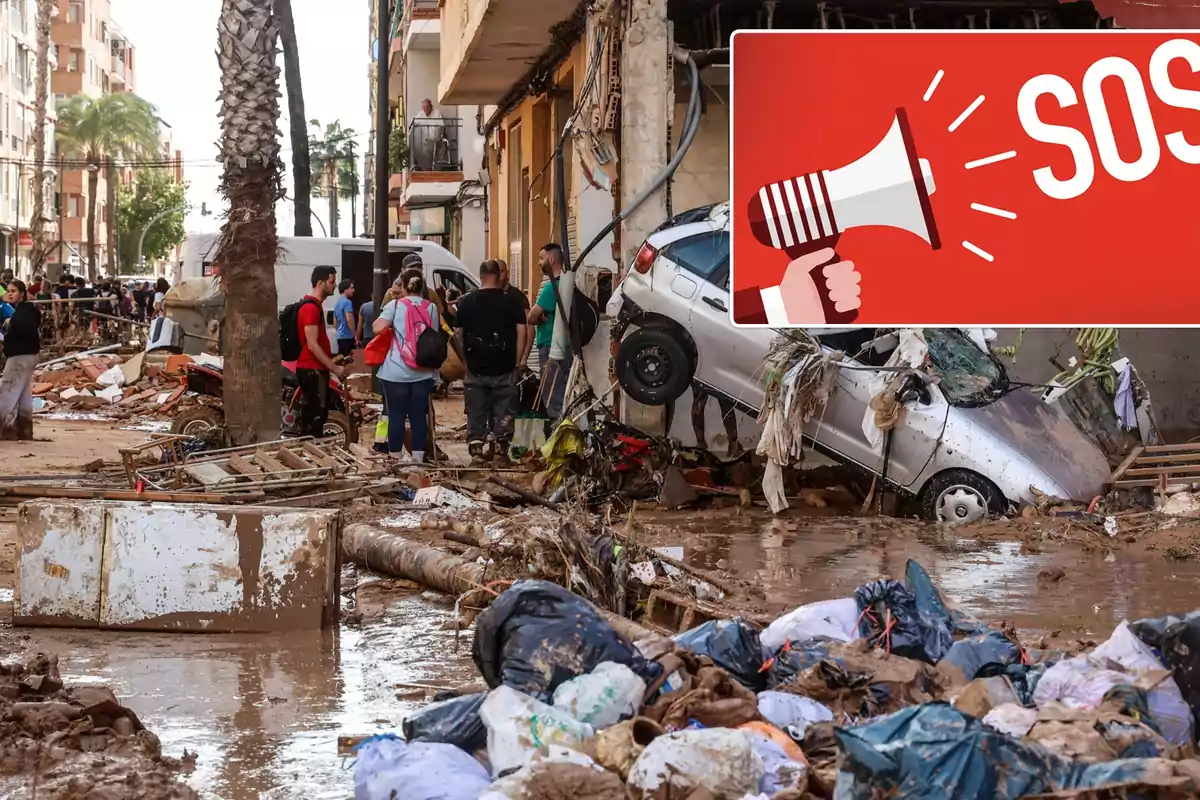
(966, 178)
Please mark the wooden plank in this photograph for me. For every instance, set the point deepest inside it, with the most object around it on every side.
(1126, 464)
(1194, 470)
(290, 459)
(74, 493)
(239, 464)
(1133, 483)
(1171, 448)
(1145, 460)
(269, 464)
(318, 456)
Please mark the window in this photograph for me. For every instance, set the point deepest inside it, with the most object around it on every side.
(73, 61)
(75, 13)
(74, 206)
(701, 254)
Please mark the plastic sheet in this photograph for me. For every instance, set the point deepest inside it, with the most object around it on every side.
(518, 725)
(733, 645)
(387, 767)
(794, 659)
(537, 635)
(780, 771)
(792, 712)
(1168, 708)
(990, 652)
(603, 696)
(455, 721)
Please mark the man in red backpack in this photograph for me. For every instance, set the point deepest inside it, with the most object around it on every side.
(315, 363)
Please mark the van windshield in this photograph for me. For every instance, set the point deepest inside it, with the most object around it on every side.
(967, 375)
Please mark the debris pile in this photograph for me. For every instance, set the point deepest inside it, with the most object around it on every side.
(118, 386)
(891, 692)
(60, 741)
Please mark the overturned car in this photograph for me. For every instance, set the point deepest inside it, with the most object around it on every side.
(970, 442)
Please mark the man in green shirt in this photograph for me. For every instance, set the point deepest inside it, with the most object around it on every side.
(542, 315)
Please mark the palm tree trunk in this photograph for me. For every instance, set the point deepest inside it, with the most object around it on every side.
(247, 38)
(110, 180)
(333, 197)
(37, 224)
(93, 190)
(301, 164)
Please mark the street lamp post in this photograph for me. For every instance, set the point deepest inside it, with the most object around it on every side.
(149, 225)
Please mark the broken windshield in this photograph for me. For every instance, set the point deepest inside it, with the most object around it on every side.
(968, 376)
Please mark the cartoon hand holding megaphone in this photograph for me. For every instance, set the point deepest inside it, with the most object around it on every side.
(805, 218)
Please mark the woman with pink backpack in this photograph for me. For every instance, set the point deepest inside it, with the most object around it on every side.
(416, 351)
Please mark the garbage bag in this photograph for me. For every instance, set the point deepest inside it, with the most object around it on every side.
(1023, 677)
(518, 725)
(720, 760)
(388, 767)
(781, 771)
(537, 635)
(560, 773)
(931, 606)
(602, 697)
(974, 654)
(794, 658)
(889, 619)
(792, 712)
(733, 645)
(1170, 712)
(934, 751)
(455, 721)
(1152, 630)
(835, 620)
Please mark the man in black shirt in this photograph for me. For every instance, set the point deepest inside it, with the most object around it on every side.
(493, 328)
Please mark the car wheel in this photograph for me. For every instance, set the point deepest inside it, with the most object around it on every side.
(653, 366)
(959, 496)
(197, 421)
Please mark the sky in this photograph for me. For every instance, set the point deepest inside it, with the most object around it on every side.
(176, 70)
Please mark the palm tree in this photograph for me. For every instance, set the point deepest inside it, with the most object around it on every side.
(37, 224)
(333, 172)
(97, 130)
(247, 38)
(295, 97)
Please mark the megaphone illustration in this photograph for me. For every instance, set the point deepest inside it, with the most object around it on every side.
(889, 186)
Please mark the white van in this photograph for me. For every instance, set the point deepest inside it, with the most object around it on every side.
(354, 259)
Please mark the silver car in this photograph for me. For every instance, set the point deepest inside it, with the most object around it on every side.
(969, 445)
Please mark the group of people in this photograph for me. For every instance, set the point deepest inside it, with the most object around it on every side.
(498, 328)
(21, 330)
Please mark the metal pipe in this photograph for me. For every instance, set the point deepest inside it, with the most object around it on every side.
(145, 230)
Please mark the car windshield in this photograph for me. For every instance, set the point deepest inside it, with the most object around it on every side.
(967, 375)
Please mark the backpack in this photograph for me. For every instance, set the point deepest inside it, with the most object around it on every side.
(424, 346)
(290, 343)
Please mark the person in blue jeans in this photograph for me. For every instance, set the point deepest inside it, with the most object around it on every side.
(343, 315)
(406, 389)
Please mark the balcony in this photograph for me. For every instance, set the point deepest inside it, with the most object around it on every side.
(435, 170)
(488, 45)
(396, 186)
(422, 25)
(67, 34)
(119, 71)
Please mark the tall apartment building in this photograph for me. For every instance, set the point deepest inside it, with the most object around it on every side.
(18, 94)
(94, 58)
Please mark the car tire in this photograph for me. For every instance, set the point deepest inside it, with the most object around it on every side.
(197, 420)
(338, 424)
(960, 496)
(653, 366)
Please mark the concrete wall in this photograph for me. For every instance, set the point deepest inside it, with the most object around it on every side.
(1167, 360)
(473, 248)
(703, 177)
(421, 82)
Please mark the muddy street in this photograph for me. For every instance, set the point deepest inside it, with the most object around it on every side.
(263, 713)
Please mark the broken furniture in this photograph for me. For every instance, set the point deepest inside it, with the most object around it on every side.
(1158, 466)
(198, 568)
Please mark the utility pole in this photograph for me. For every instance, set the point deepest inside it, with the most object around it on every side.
(382, 124)
(353, 191)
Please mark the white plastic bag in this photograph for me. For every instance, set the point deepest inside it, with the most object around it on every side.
(1011, 719)
(113, 376)
(603, 696)
(780, 772)
(390, 767)
(518, 726)
(835, 619)
(719, 759)
(1167, 706)
(784, 710)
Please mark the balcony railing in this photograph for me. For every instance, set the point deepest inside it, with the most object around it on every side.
(433, 145)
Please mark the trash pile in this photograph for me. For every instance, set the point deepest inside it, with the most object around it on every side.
(78, 741)
(888, 693)
(120, 386)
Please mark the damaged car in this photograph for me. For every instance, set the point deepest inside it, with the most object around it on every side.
(970, 443)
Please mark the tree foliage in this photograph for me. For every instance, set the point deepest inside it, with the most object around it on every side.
(153, 193)
(334, 147)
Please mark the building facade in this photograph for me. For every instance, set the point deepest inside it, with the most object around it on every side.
(18, 121)
(94, 58)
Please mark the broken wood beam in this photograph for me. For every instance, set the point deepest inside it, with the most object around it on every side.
(394, 555)
(524, 494)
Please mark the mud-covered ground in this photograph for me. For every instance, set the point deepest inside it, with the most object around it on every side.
(262, 714)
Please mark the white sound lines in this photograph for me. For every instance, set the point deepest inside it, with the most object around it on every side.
(933, 84)
(963, 116)
(983, 162)
(998, 212)
(979, 251)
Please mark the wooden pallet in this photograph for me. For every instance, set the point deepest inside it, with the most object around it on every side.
(1158, 466)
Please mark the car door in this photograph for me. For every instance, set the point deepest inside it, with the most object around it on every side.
(730, 356)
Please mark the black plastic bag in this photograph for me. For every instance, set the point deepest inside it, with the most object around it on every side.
(890, 620)
(932, 607)
(455, 721)
(733, 646)
(990, 651)
(794, 658)
(1024, 678)
(537, 635)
